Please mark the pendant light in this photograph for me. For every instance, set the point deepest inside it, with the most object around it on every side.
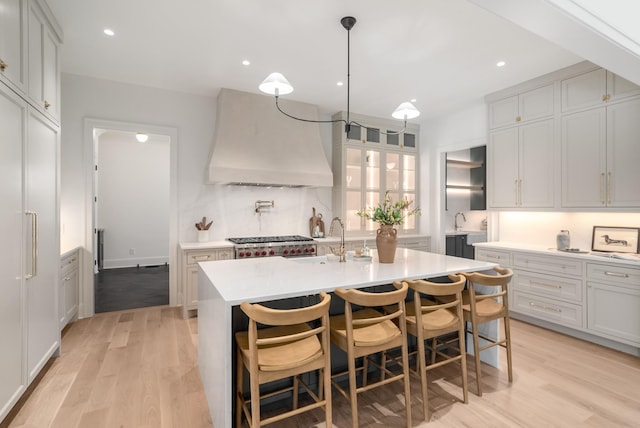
(276, 84)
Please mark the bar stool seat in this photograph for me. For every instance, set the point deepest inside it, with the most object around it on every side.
(292, 342)
(366, 331)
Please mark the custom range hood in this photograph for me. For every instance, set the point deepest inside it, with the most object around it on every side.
(257, 145)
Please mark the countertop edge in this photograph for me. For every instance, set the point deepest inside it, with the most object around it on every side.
(541, 249)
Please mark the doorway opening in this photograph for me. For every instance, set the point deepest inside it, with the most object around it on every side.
(132, 203)
(132, 228)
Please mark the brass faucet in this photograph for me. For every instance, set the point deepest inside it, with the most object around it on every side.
(342, 252)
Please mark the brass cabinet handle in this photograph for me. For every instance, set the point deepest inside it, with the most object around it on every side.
(546, 308)
(198, 258)
(617, 274)
(602, 188)
(609, 187)
(3, 65)
(542, 284)
(516, 190)
(604, 98)
(46, 104)
(34, 244)
(520, 192)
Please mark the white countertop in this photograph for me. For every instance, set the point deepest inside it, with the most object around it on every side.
(325, 240)
(626, 258)
(271, 278)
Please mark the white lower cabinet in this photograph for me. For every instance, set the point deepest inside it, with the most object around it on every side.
(548, 287)
(576, 293)
(189, 273)
(68, 287)
(553, 310)
(613, 296)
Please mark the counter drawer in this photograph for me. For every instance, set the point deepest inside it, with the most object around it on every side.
(195, 257)
(563, 313)
(616, 274)
(503, 258)
(69, 263)
(552, 264)
(555, 287)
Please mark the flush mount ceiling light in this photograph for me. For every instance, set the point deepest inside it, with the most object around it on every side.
(109, 32)
(276, 84)
(142, 138)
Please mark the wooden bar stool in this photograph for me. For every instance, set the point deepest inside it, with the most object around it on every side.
(367, 331)
(428, 319)
(290, 347)
(482, 304)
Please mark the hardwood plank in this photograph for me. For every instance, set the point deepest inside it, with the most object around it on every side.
(138, 368)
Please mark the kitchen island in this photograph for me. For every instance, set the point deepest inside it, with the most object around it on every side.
(223, 285)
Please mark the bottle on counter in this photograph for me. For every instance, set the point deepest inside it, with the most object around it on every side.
(563, 240)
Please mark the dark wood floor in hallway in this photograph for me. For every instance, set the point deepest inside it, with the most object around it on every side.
(131, 288)
(138, 368)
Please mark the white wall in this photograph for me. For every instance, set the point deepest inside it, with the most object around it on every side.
(460, 130)
(133, 199)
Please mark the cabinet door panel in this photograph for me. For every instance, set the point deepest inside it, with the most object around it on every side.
(536, 104)
(537, 165)
(503, 112)
(607, 304)
(584, 90)
(41, 185)
(619, 87)
(12, 41)
(502, 168)
(12, 123)
(584, 158)
(623, 154)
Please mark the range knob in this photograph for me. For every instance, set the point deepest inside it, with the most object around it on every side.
(313, 250)
(285, 252)
(257, 253)
(272, 253)
(264, 253)
(306, 250)
(241, 254)
(299, 250)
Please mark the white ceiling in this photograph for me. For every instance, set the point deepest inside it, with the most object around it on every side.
(441, 52)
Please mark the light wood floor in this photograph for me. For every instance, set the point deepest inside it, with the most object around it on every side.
(139, 369)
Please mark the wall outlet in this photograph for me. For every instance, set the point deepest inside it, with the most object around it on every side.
(132, 251)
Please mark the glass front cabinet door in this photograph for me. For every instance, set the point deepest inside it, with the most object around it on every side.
(368, 163)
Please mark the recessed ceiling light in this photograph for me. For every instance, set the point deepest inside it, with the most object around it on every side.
(413, 100)
(141, 137)
(340, 84)
(109, 32)
(246, 62)
(501, 64)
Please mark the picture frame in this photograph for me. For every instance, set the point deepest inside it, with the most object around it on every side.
(615, 239)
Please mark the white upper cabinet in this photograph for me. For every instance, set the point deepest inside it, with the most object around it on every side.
(600, 154)
(520, 166)
(13, 37)
(44, 87)
(595, 88)
(527, 106)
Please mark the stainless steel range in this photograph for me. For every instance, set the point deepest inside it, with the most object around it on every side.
(269, 246)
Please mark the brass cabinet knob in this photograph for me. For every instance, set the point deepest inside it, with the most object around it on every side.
(606, 97)
(46, 104)
(3, 65)
(518, 118)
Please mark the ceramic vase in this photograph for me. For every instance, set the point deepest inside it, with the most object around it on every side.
(203, 236)
(386, 243)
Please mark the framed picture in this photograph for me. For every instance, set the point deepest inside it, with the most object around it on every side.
(616, 239)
